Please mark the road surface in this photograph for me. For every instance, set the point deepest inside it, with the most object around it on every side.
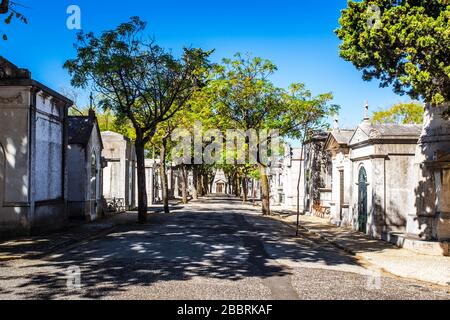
(215, 248)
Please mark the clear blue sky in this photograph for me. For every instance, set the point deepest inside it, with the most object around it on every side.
(296, 34)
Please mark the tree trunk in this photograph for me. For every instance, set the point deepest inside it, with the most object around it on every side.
(205, 184)
(142, 188)
(184, 182)
(194, 183)
(300, 169)
(265, 190)
(164, 182)
(245, 189)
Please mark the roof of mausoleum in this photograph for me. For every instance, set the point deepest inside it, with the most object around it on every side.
(12, 75)
(341, 137)
(114, 136)
(368, 132)
(319, 136)
(80, 128)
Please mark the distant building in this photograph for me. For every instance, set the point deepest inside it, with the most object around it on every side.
(85, 167)
(119, 175)
(220, 183)
(284, 180)
(33, 145)
(292, 163)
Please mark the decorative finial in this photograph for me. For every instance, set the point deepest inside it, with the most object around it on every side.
(91, 101)
(91, 106)
(336, 123)
(366, 111)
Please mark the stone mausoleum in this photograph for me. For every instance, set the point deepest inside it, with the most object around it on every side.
(119, 175)
(33, 144)
(84, 158)
(382, 159)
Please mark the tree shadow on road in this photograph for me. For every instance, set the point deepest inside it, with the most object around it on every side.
(205, 241)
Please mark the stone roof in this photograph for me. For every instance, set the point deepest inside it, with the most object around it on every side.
(80, 128)
(114, 136)
(367, 131)
(342, 136)
(397, 129)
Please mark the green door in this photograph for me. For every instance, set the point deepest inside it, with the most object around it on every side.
(362, 201)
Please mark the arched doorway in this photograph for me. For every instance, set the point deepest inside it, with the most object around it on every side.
(362, 200)
(220, 187)
(94, 179)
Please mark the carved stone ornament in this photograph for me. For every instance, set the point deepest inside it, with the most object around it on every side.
(374, 134)
(17, 99)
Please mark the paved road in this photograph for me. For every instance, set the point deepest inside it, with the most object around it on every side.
(213, 249)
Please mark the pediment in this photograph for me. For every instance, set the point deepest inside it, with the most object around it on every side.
(331, 143)
(359, 136)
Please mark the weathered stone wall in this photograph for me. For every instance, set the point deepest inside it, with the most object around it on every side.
(388, 167)
(341, 162)
(76, 159)
(428, 216)
(49, 150)
(291, 175)
(15, 157)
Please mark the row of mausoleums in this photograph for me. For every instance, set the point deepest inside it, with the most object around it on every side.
(53, 166)
(387, 181)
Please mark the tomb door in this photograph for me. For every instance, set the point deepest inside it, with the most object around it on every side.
(94, 179)
(362, 200)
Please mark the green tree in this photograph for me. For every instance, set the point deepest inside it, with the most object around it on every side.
(246, 98)
(400, 113)
(403, 43)
(138, 80)
(304, 114)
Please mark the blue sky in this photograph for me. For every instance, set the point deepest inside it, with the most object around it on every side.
(295, 34)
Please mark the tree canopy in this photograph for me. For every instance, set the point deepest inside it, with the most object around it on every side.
(403, 43)
(400, 113)
(142, 83)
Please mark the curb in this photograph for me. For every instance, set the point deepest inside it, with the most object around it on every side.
(359, 256)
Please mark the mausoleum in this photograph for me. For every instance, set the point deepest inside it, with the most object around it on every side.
(33, 144)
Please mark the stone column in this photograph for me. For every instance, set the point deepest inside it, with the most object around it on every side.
(378, 209)
(425, 219)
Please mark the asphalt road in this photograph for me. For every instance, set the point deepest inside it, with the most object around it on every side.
(213, 249)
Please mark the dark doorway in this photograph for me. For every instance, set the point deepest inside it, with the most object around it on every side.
(220, 188)
(362, 200)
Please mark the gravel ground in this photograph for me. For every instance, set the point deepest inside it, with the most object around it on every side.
(211, 249)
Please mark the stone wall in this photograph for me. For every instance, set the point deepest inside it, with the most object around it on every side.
(15, 154)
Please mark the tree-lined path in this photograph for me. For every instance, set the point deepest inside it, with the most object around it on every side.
(213, 248)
